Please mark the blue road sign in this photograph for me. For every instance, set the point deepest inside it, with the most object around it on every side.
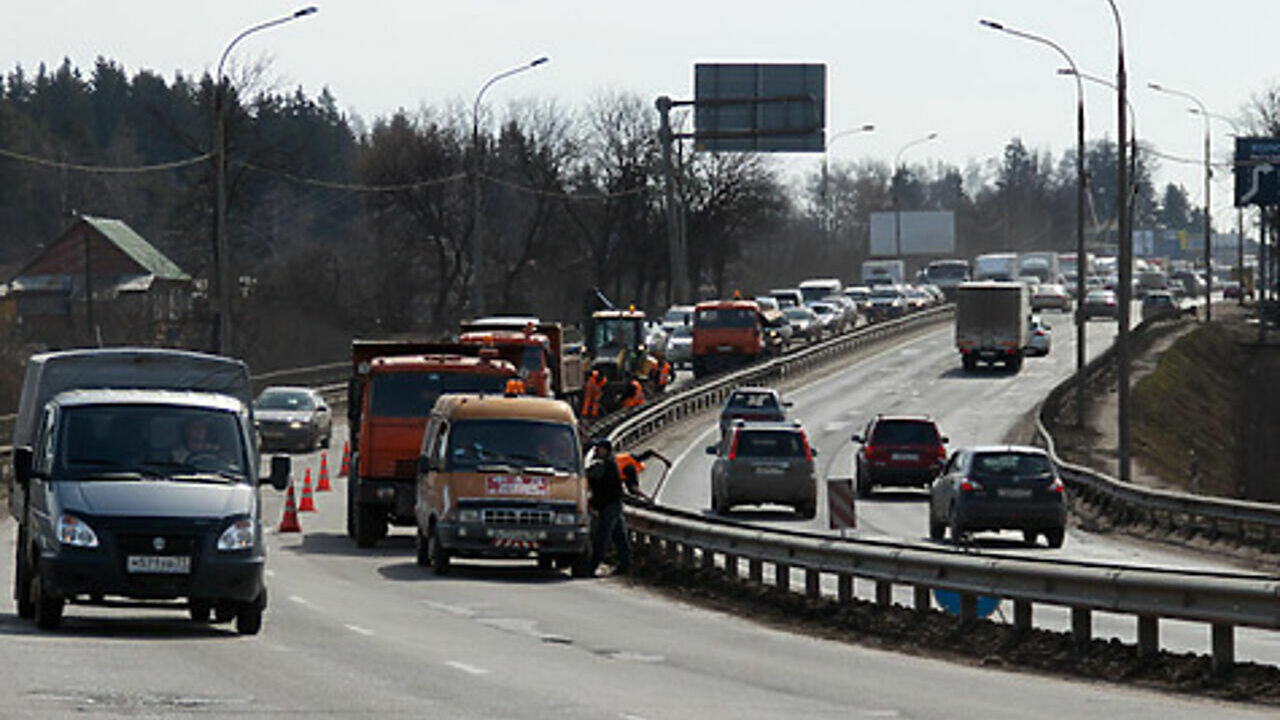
(950, 601)
(1257, 171)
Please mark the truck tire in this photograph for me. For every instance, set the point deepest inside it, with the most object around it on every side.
(22, 581)
(807, 510)
(699, 368)
(200, 610)
(583, 566)
(249, 615)
(1055, 537)
(48, 607)
(437, 553)
(970, 362)
(421, 547)
(936, 528)
(351, 507)
(1014, 363)
(371, 525)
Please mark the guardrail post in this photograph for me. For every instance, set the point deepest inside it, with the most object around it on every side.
(1022, 615)
(686, 555)
(884, 592)
(782, 576)
(812, 583)
(1224, 648)
(844, 588)
(923, 598)
(1081, 626)
(755, 570)
(708, 558)
(968, 608)
(731, 565)
(1148, 635)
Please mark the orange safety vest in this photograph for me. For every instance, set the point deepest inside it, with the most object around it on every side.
(636, 398)
(664, 375)
(515, 386)
(591, 395)
(626, 460)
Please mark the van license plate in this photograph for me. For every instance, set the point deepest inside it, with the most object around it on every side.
(160, 564)
(525, 535)
(905, 457)
(1014, 493)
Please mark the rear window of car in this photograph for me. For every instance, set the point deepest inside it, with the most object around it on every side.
(905, 432)
(753, 401)
(770, 443)
(1012, 464)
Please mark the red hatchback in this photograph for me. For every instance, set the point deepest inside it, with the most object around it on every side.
(899, 451)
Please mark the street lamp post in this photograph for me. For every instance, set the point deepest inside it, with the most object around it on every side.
(1080, 256)
(826, 206)
(1208, 177)
(1235, 129)
(221, 259)
(477, 250)
(897, 214)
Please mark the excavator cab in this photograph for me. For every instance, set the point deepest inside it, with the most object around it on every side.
(617, 343)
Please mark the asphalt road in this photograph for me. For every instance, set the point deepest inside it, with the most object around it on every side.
(353, 633)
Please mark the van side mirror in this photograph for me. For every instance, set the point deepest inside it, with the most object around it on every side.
(281, 468)
(22, 465)
(858, 438)
(813, 451)
(711, 450)
(944, 439)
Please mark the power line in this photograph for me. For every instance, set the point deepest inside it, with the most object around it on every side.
(135, 169)
(565, 196)
(355, 187)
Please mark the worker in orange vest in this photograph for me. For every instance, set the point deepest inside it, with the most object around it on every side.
(591, 394)
(630, 466)
(636, 397)
(664, 374)
(515, 386)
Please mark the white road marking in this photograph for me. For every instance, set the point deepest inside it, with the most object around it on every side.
(468, 669)
(459, 610)
(629, 716)
(270, 573)
(303, 602)
(357, 629)
(697, 443)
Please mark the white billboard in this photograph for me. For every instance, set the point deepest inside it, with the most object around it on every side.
(914, 232)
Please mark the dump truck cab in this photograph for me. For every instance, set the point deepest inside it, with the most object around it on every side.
(502, 477)
(727, 334)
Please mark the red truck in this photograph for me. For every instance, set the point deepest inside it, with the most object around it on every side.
(546, 365)
(727, 334)
(394, 384)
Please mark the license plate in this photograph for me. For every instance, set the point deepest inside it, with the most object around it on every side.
(160, 564)
(770, 469)
(906, 457)
(1014, 493)
(517, 535)
(724, 348)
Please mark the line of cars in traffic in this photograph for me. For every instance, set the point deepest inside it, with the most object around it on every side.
(765, 458)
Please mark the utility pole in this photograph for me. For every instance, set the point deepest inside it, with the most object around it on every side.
(675, 239)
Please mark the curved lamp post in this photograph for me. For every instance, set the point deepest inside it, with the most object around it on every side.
(826, 205)
(477, 251)
(1235, 130)
(1080, 256)
(897, 214)
(222, 265)
(1208, 177)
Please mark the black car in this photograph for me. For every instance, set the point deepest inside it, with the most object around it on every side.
(752, 404)
(998, 488)
(293, 418)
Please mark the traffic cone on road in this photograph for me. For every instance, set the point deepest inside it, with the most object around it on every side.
(308, 503)
(322, 483)
(289, 523)
(345, 471)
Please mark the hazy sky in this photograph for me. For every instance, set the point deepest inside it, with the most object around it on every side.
(908, 66)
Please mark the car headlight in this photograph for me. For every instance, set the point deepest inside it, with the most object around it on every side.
(75, 532)
(566, 518)
(470, 515)
(238, 536)
(296, 424)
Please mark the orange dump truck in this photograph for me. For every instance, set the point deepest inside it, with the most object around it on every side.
(394, 385)
(727, 334)
(503, 477)
(537, 349)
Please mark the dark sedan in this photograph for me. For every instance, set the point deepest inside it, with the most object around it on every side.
(292, 418)
(759, 463)
(1100, 303)
(998, 488)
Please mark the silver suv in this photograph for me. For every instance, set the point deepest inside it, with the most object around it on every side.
(766, 462)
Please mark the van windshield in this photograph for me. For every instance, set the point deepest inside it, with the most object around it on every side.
(522, 445)
(412, 394)
(124, 441)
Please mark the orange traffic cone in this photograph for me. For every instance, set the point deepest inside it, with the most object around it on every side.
(322, 483)
(308, 503)
(289, 523)
(346, 460)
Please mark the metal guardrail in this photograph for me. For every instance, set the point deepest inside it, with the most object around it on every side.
(1254, 524)
(1223, 600)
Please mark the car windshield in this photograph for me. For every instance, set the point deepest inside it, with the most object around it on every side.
(947, 272)
(770, 443)
(682, 331)
(905, 432)
(1012, 464)
(531, 358)
(725, 318)
(822, 309)
(521, 445)
(857, 294)
(885, 292)
(412, 394)
(284, 400)
(798, 313)
(133, 441)
(753, 401)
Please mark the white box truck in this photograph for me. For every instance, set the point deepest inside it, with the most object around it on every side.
(996, 266)
(992, 321)
(883, 272)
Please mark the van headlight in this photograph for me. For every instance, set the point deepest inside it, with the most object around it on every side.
(567, 518)
(296, 424)
(74, 532)
(469, 515)
(239, 535)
